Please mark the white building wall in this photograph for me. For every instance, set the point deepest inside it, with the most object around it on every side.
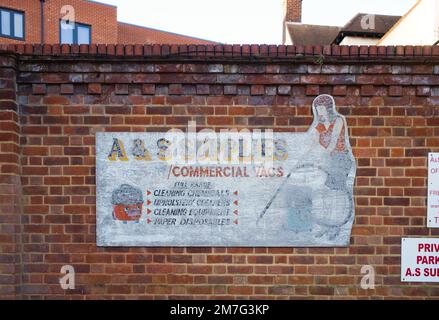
(359, 41)
(419, 27)
(287, 41)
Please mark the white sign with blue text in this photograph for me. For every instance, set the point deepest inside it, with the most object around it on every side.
(433, 191)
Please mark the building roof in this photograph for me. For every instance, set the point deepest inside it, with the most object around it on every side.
(102, 3)
(309, 34)
(130, 33)
(383, 23)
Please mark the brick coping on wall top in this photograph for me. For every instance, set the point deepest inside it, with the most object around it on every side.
(223, 51)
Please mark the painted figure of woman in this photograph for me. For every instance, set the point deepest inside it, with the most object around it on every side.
(332, 134)
(322, 205)
(335, 202)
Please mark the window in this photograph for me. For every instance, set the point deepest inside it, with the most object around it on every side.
(11, 24)
(74, 33)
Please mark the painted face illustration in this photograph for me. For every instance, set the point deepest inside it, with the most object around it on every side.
(324, 107)
(322, 112)
(127, 203)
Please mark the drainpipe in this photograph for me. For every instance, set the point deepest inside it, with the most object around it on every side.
(436, 30)
(42, 20)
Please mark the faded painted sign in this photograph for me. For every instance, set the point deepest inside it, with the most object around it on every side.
(433, 191)
(420, 260)
(255, 188)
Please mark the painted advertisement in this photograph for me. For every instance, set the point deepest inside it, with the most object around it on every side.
(233, 188)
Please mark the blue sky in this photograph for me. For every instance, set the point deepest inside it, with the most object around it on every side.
(243, 21)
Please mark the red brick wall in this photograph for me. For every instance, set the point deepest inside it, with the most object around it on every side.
(10, 185)
(293, 10)
(32, 19)
(129, 34)
(102, 18)
(389, 95)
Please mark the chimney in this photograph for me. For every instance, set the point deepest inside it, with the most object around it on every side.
(293, 10)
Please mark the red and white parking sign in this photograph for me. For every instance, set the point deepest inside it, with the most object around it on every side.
(433, 191)
(420, 260)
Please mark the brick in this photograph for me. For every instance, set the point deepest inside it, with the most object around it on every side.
(165, 110)
(138, 120)
(176, 89)
(178, 100)
(339, 90)
(39, 88)
(67, 89)
(219, 259)
(96, 120)
(401, 162)
(261, 121)
(396, 201)
(219, 121)
(76, 151)
(118, 110)
(312, 90)
(314, 79)
(56, 100)
(395, 91)
(94, 88)
(423, 91)
(148, 89)
(121, 89)
(284, 90)
(230, 90)
(241, 111)
(257, 90)
(417, 152)
(397, 80)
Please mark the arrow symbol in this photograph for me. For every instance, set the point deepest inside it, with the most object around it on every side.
(235, 212)
(236, 221)
(235, 193)
(148, 193)
(235, 202)
(149, 220)
(148, 202)
(148, 211)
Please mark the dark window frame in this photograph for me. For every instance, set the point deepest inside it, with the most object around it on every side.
(12, 12)
(75, 31)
